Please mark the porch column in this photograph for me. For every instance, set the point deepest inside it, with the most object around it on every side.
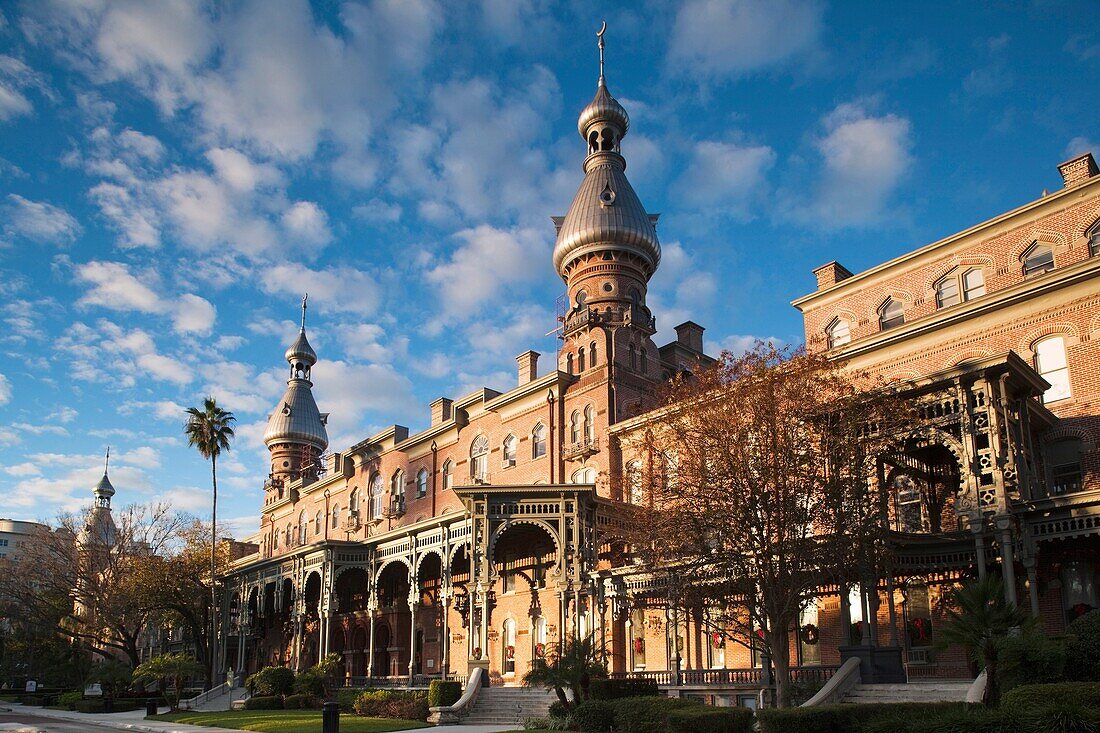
(845, 614)
(1032, 566)
(412, 630)
(370, 651)
(893, 611)
(872, 612)
(977, 528)
(864, 606)
(675, 661)
(1008, 560)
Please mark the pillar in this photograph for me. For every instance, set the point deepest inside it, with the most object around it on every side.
(1032, 566)
(893, 611)
(370, 652)
(412, 634)
(979, 545)
(1008, 560)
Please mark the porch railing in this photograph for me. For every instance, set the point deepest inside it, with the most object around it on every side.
(749, 677)
(399, 681)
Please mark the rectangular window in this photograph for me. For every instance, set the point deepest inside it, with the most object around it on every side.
(974, 284)
(948, 293)
(1050, 362)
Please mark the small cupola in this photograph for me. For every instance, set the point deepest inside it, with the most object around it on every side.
(604, 122)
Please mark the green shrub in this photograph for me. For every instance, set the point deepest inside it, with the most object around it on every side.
(558, 710)
(302, 702)
(593, 716)
(712, 720)
(1027, 698)
(647, 714)
(392, 704)
(975, 719)
(69, 699)
(346, 698)
(606, 689)
(1062, 717)
(310, 682)
(443, 692)
(1083, 648)
(89, 706)
(264, 702)
(271, 681)
(1030, 658)
(851, 718)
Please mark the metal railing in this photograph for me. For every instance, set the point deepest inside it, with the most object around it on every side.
(743, 677)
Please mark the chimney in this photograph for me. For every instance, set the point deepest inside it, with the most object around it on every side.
(528, 363)
(1078, 170)
(690, 334)
(830, 274)
(441, 410)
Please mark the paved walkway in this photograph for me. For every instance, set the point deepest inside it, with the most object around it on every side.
(134, 720)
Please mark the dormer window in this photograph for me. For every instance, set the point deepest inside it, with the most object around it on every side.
(891, 314)
(838, 333)
(1038, 259)
(960, 286)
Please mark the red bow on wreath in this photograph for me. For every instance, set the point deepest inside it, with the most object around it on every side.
(639, 645)
(540, 650)
(510, 652)
(716, 640)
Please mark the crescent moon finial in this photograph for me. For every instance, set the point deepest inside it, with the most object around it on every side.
(599, 35)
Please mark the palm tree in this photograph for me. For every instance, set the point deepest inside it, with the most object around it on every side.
(980, 618)
(209, 429)
(576, 663)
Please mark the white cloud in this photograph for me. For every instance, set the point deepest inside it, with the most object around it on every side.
(332, 289)
(377, 210)
(357, 395)
(731, 38)
(143, 457)
(23, 469)
(738, 344)
(306, 222)
(5, 390)
(194, 315)
(15, 78)
(725, 178)
(136, 221)
(37, 221)
(63, 414)
(865, 158)
(241, 173)
(486, 261)
(1079, 146)
(114, 287)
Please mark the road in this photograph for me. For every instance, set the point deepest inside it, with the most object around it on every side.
(25, 721)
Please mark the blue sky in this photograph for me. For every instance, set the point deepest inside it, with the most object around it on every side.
(173, 176)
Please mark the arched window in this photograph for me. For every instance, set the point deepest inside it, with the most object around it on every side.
(479, 459)
(275, 539)
(421, 483)
(448, 474)
(397, 487)
(335, 516)
(1064, 459)
(538, 441)
(633, 357)
(569, 363)
(317, 520)
(353, 501)
(592, 354)
(891, 314)
(1050, 362)
(303, 527)
(589, 424)
(960, 286)
(575, 427)
(973, 282)
(1093, 235)
(540, 633)
(1039, 258)
(634, 482)
(918, 613)
(508, 640)
(584, 476)
(643, 359)
(580, 359)
(508, 450)
(376, 491)
(838, 333)
(290, 535)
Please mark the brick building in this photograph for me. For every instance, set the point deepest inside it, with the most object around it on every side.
(481, 539)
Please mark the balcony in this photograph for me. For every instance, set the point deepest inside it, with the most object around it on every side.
(351, 523)
(480, 477)
(581, 450)
(580, 319)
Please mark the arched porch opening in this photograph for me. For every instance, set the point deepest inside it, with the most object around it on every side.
(395, 615)
(428, 638)
(523, 557)
(923, 482)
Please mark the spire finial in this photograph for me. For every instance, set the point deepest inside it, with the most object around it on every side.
(305, 299)
(599, 35)
(107, 460)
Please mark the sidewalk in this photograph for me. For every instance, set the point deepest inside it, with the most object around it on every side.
(134, 720)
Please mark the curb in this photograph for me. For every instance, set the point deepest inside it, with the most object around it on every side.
(143, 727)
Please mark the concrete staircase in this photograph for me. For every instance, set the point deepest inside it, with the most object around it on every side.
(923, 691)
(509, 706)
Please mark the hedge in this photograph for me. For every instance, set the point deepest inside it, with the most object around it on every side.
(302, 702)
(264, 702)
(1029, 698)
(605, 689)
(846, 718)
(98, 705)
(648, 714)
(1083, 647)
(70, 699)
(271, 681)
(442, 693)
(346, 698)
(593, 716)
(712, 720)
(392, 704)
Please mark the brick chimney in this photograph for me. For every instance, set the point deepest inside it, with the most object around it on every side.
(690, 334)
(441, 410)
(528, 363)
(830, 274)
(1078, 170)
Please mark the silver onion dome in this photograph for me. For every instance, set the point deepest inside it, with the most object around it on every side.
(606, 215)
(300, 350)
(104, 487)
(296, 419)
(603, 109)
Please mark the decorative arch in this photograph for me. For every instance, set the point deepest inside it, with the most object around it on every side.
(345, 568)
(455, 548)
(970, 259)
(433, 551)
(390, 561)
(1051, 329)
(1035, 236)
(960, 356)
(542, 524)
(1065, 432)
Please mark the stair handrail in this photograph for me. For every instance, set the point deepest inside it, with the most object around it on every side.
(449, 714)
(204, 696)
(976, 691)
(839, 685)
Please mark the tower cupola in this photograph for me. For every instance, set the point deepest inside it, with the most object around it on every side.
(296, 434)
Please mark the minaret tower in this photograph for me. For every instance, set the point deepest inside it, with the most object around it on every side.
(606, 252)
(296, 435)
(99, 529)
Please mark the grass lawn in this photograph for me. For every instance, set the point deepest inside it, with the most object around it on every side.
(288, 721)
